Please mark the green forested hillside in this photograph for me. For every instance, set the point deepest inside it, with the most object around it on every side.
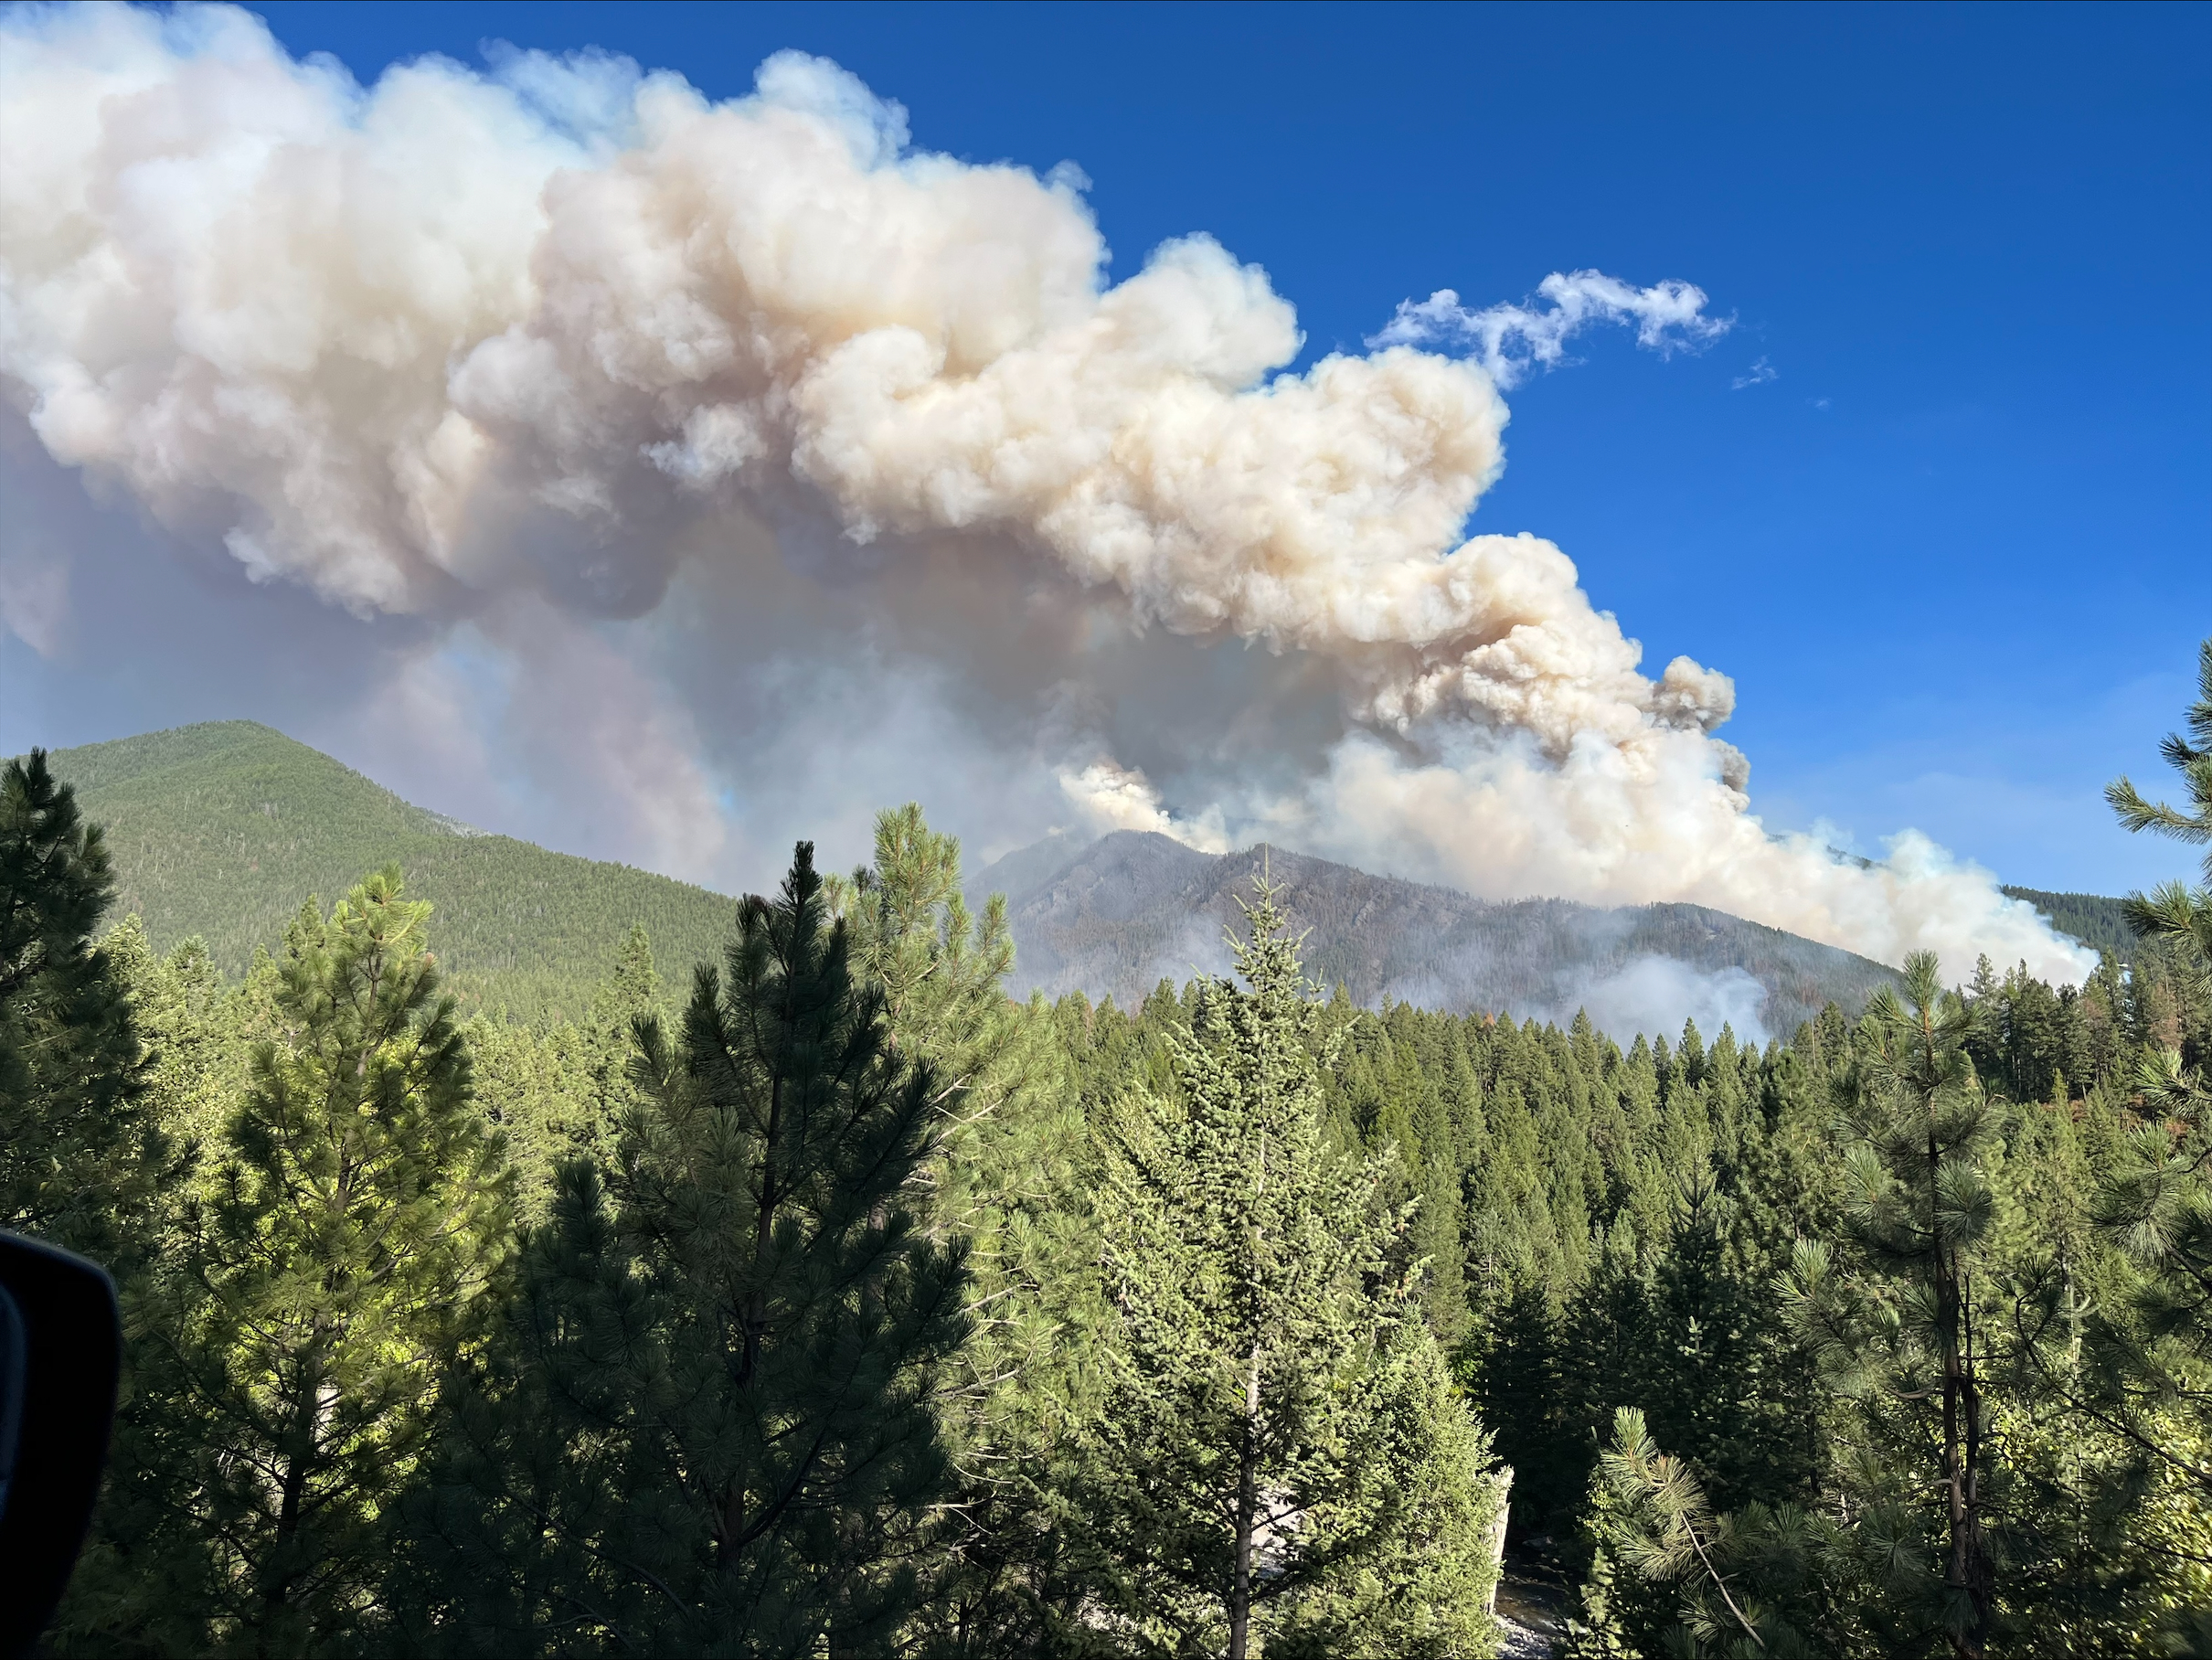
(221, 829)
(2094, 919)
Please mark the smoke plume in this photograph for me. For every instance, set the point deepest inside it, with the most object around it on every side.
(1655, 995)
(544, 341)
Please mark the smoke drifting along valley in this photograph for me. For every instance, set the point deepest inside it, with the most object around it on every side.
(528, 351)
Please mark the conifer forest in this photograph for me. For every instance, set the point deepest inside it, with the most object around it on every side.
(819, 1298)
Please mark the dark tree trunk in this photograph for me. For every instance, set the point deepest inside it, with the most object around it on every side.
(1969, 1568)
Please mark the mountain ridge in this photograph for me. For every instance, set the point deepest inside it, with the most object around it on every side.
(1114, 915)
(222, 829)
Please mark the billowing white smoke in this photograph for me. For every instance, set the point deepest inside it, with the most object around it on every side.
(462, 336)
(1115, 797)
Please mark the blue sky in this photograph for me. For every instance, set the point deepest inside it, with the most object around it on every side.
(1953, 540)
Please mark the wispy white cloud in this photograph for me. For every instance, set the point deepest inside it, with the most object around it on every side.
(1758, 374)
(1509, 341)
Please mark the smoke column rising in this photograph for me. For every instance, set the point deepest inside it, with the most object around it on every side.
(469, 347)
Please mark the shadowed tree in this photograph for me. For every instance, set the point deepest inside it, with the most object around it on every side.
(76, 1156)
(714, 1430)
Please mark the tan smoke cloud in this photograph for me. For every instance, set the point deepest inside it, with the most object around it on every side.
(462, 336)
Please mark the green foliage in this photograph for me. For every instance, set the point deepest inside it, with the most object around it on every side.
(343, 1248)
(1408, 1542)
(2157, 1204)
(2174, 911)
(1666, 1533)
(77, 1152)
(714, 1430)
(217, 830)
(1914, 1332)
(1718, 1375)
(872, 1311)
(561, 1090)
(1279, 1451)
(2112, 1336)
(1004, 1183)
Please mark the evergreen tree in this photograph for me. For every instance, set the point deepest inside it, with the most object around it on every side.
(606, 1094)
(191, 1024)
(1407, 1539)
(718, 1431)
(1670, 1571)
(1604, 1340)
(345, 1248)
(1004, 1183)
(1520, 1378)
(2089, 1562)
(1920, 1135)
(138, 1587)
(2157, 1204)
(2158, 1201)
(1720, 1380)
(2175, 911)
(1430, 1152)
(1276, 1412)
(79, 1152)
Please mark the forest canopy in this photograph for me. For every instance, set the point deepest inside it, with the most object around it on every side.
(808, 1294)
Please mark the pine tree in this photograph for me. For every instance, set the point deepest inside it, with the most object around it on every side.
(1248, 1461)
(196, 1056)
(1433, 1165)
(1408, 1540)
(2111, 1341)
(1669, 1569)
(607, 1095)
(1720, 1381)
(1604, 1341)
(1004, 1183)
(345, 1246)
(1921, 1134)
(714, 1430)
(2174, 911)
(2157, 1201)
(80, 1154)
(2157, 1206)
(139, 1586)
